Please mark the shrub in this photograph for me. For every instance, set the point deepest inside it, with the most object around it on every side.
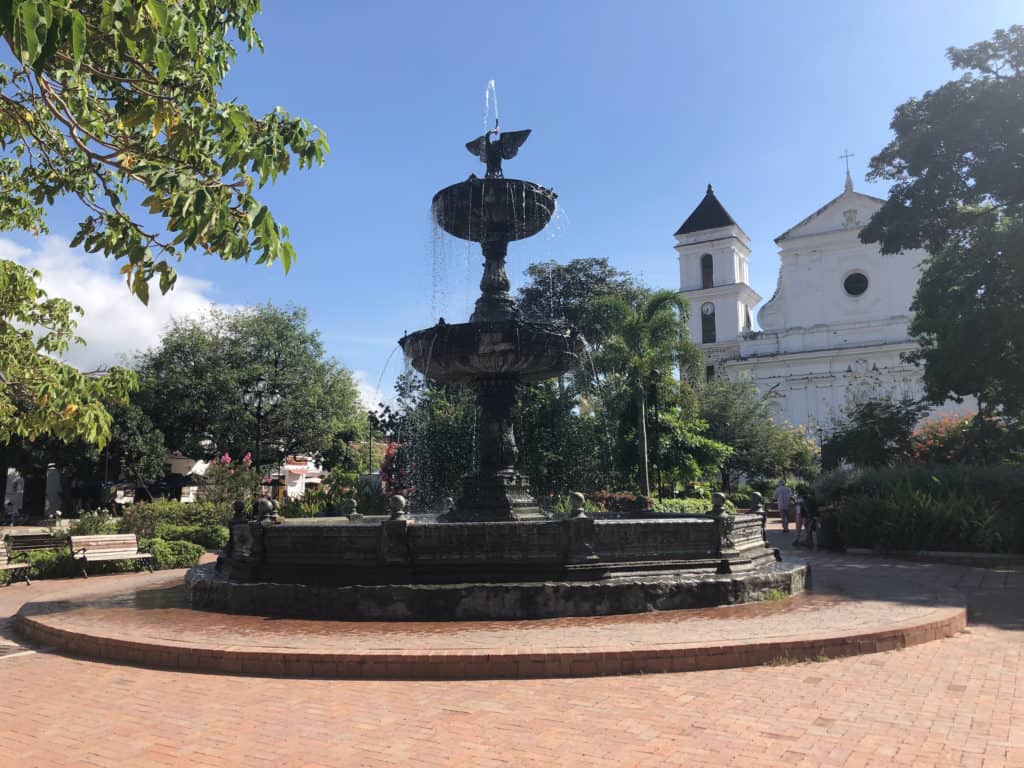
(184, 554)
(171, 554)
(955, 507)
(49, 563)
(620, 503)
(682, 506)
(207, 536)
(688, 507)
(303, 506)
(143, 518)
(93, 523)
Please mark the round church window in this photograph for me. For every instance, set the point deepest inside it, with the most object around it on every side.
(855, 283)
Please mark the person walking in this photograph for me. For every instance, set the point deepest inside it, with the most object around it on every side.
(799, 516)
(783, 497)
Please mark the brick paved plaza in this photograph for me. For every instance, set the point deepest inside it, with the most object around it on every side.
(956, 701)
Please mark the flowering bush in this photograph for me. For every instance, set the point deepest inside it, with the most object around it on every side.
(942, 439)
(394, 472)
(956, 438)
(226, 480)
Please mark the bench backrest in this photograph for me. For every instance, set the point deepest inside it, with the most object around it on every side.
(105, 544)
(21, 542)
(3, 555)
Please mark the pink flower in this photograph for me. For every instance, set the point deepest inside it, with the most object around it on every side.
(247, 459)
(225, 459)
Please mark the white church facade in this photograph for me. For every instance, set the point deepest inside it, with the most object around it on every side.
(835, 329)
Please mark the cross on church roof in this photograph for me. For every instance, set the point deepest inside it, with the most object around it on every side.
(846, 156)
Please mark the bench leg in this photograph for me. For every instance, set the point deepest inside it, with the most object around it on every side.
(149, 567)
(28, 581)
(85, 573)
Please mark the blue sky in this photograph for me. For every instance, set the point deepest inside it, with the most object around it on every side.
(634, 107)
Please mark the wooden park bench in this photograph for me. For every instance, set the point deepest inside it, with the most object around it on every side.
(18, 570)
(27, 542)
(103, 547)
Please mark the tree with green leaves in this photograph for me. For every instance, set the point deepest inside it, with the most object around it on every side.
(115, 104)
(644, 342)
(108, 99)
(875, 432)
(956, 164)
(739, 415)
(431, 434)
(40, 396)
(565, 293)
(563, 443)
(251, 381)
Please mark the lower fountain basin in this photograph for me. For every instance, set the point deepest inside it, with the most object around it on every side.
(464, 352)
(412, 569)
(486, 210)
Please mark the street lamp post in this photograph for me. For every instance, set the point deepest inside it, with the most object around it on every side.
(260, 398)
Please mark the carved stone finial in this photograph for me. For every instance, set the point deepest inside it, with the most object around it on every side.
(717, 505)
(576, 502)
(397, 506)
(755, 502)
(350, 508)
(263, 507)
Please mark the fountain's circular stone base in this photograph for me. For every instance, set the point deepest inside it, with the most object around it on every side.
(461, 353)
(488, 210)
(208, 590)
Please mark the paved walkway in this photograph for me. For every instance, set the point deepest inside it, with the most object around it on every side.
(958, 702)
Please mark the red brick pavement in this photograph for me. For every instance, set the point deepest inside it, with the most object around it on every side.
(953, 702)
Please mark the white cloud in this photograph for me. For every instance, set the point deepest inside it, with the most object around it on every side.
(116, 324)
(369, 395)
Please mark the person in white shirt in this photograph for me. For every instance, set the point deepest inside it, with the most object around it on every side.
(782, 498)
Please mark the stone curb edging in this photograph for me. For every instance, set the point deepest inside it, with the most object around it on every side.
(973, 559)
(488, 664)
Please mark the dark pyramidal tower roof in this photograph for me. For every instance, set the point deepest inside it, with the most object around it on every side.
(708, 215)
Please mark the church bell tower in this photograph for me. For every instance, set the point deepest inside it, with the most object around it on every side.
(713, 277)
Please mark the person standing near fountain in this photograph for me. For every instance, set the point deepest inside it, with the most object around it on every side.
(782, 498)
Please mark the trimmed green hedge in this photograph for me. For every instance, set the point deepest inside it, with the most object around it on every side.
(688, 507)
(207, 536)
(171, 554)
(957, 507)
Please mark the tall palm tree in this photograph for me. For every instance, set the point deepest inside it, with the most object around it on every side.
(647, 339)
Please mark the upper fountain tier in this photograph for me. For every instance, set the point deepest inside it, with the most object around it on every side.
(494, 209)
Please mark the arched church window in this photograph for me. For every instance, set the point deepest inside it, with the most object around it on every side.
(707, 271)
(707, 323)
(855, 283)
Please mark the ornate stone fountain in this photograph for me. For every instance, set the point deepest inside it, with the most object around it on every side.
(496, 554)
(496, 351)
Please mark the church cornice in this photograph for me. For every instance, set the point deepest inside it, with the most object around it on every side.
(727, 290)
(730, 236)
(834, 353)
